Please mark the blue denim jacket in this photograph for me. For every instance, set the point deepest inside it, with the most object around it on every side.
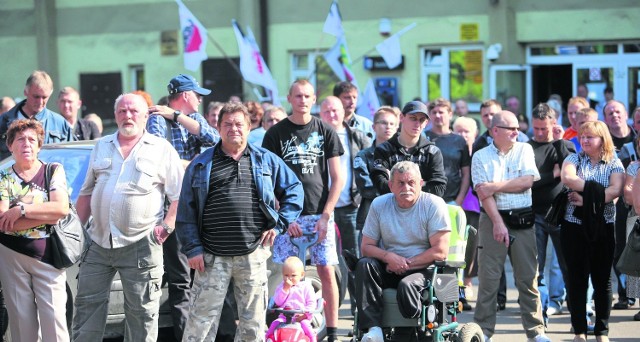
(274, 181)
(56, 128)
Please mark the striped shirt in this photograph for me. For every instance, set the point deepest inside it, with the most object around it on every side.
(489, 165)
(232, 221)
(600, 173)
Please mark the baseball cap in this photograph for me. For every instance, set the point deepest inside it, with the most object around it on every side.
(184, 82)
(415, 107)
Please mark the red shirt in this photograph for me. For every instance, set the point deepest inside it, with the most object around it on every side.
(569, 134)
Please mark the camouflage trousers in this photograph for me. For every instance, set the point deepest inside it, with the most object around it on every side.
(249, 273)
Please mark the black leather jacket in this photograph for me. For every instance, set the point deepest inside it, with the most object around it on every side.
(425, 154)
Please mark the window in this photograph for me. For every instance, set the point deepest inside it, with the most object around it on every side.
(312, 66)
(136, 73)
(454, 73)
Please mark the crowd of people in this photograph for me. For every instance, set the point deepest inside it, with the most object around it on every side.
(204, 200)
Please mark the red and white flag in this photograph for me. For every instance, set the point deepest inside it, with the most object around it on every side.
(194, 37)
(252, 65)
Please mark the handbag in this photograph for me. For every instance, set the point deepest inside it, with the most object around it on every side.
(558, 208)
(67, 237)
(629, 262)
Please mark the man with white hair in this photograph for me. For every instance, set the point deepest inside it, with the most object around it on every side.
(129, 175)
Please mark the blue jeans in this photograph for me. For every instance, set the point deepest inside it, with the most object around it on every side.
(555, 288)
(140, 269)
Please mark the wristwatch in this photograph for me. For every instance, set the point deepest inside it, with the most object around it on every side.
(166, 227)
(176, 114)
(22, 211)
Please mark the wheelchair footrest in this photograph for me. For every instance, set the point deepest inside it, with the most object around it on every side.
(446, 288)
(391, 316)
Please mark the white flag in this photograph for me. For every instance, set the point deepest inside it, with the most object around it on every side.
(338, 59)
(390, 51)
(194, 37)
(252, 65)
(333, 23)
(370, 101)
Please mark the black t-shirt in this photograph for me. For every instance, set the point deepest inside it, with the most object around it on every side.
(548, 187)
(306, 149)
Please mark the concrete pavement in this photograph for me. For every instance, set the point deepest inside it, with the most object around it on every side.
(622, 327)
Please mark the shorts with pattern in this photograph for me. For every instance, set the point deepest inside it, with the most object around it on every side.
(323, 253)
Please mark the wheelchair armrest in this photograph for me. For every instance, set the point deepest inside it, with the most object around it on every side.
(449, 264)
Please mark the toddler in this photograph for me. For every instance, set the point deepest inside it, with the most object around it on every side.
(294, 294)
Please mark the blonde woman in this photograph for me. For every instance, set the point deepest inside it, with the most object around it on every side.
(595, 177)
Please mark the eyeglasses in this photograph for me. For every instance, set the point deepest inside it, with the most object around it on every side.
(511, 129)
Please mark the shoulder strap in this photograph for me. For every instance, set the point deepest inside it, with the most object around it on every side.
(630, 150)
(47, 176)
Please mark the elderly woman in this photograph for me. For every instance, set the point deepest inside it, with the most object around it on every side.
(595, 177)
(34, 290)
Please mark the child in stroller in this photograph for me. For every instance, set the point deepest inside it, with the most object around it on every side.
(294, 294)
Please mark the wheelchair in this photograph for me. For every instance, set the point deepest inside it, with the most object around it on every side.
(438, 319)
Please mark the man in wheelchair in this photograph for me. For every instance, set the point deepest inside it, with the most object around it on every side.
(405, 232)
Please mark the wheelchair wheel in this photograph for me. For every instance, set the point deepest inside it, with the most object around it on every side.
(470, 332)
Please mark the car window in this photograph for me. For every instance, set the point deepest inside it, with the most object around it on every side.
(75, 162)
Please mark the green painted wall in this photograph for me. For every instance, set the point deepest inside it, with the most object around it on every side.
(97, 36)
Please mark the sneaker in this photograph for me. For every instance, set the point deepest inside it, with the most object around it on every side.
(622, 304)
(374, 335)
(468, 291)
(539, 338)
(486, 338)
(552, 310)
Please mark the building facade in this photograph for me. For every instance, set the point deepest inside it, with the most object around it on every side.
(470, 49)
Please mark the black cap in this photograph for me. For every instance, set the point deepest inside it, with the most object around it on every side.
(415, 107)
(184, 82)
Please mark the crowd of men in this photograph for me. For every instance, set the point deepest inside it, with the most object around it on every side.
(237, 180)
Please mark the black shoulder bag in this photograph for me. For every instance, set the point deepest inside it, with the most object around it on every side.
(68, 238)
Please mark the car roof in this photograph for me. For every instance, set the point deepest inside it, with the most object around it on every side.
(86, 144)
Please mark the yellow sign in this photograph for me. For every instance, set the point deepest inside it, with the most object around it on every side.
(169, 43)
(469, 32)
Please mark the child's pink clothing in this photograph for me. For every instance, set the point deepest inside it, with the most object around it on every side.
(300, 297)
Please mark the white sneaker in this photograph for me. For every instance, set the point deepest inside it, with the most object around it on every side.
(486, 338)
(374, 335)
(539, 338)
(552, 310)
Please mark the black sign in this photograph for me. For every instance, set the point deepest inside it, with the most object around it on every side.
(377, 63)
